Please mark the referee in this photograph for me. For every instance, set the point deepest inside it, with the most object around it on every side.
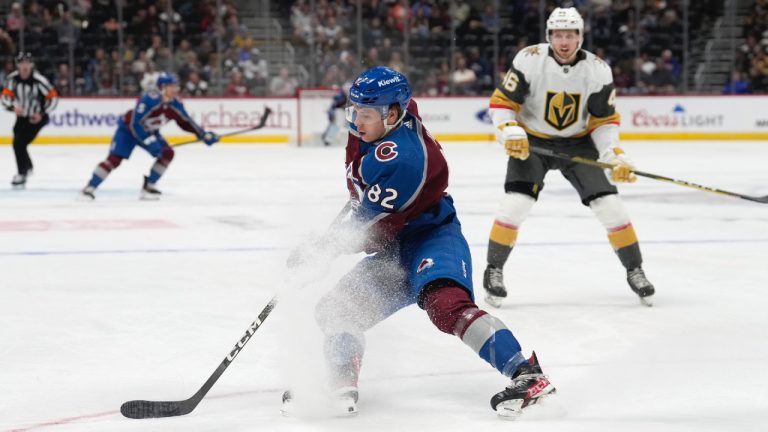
(30, 96)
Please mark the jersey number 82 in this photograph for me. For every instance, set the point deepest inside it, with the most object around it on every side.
(374, 195)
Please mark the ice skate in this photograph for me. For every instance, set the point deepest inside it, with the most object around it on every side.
(344, 384)
(529, 386)
(344, 401)
(641, 286)
(493, 282)
(88, 193)
(149, 192)
(19, 181)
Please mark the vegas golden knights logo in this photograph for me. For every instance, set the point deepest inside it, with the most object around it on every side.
(562, 109)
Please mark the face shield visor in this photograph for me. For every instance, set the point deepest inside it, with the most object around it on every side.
(365, 114)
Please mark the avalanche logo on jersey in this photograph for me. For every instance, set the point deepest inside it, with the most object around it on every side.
(386, 151)
(154, 124)
(562, 109)
(425, 264)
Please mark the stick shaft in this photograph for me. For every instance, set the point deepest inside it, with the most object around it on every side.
(138, 409)
(262, 122)
(604, 165)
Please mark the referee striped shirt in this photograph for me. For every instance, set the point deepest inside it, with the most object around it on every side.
(34, 94)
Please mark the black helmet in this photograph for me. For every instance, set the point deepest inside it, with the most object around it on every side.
(24, 57)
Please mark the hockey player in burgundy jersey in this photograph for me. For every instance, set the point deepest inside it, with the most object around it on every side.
(141, 127)
(397, 176)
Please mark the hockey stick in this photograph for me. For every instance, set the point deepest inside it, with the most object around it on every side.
(139, 409)
(262, 121)
(604, 165)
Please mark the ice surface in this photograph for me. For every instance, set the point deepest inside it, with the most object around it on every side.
(121, 299)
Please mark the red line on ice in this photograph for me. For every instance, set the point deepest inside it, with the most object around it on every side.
(63, 421)
(83, 224)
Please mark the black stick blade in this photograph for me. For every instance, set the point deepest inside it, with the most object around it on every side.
(763, 200)
(140, 409)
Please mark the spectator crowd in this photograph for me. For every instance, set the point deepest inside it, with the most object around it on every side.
(446, 47)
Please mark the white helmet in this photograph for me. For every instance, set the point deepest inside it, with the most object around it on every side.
(566, 19)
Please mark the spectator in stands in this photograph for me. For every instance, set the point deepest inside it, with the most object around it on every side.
(237, 86)
(490, 18)
(7, 47)
(372, 58)
(93, 70)
(385, 49)
(373, 33)
(463, 78)
(195, 85)
(14, 22)
(396, 62)
(154, 48)
(254, 67)
(482, 69)
(331, 30)
(204, 51)
(170, 21)
(149, 79)
(141, 64)
(66, 30)
(283, 84)
(622, 80)
(181, 53)
(399, 14)
(459, 12)
(737, 84)
(301, 19)
(758, 71)
(672, 63)
(662, 80)
(163, 59)
(61, 80)
(420, 25)
(34, 18)
(8, 67)
(129, 50)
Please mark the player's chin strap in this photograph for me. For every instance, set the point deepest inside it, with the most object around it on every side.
(390, 128)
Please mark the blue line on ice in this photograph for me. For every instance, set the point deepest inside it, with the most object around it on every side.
(279, 248)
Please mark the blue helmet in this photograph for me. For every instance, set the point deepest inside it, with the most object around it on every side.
(165, 79)
(381, 87)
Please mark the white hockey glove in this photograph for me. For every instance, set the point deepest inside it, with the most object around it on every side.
(514, 139)
(622, 167)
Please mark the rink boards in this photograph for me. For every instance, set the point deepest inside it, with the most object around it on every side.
(93, 120)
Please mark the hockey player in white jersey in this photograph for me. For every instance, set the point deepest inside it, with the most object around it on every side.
(560, 97)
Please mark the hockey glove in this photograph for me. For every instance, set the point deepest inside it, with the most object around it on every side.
(210, 138)
(623, 166)
(514, 139)
(154, 146)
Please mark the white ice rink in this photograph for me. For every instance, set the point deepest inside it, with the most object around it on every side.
(123, 299)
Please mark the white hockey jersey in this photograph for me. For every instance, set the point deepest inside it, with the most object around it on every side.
(550, 100)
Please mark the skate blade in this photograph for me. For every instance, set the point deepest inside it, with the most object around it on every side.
(494, 301)
(18, 187)
(149, 197)
(513, 409)
(337, 409)
(646, 301)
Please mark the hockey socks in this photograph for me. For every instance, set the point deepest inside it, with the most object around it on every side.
(453, 312)
(161, 164)
(103, 169)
